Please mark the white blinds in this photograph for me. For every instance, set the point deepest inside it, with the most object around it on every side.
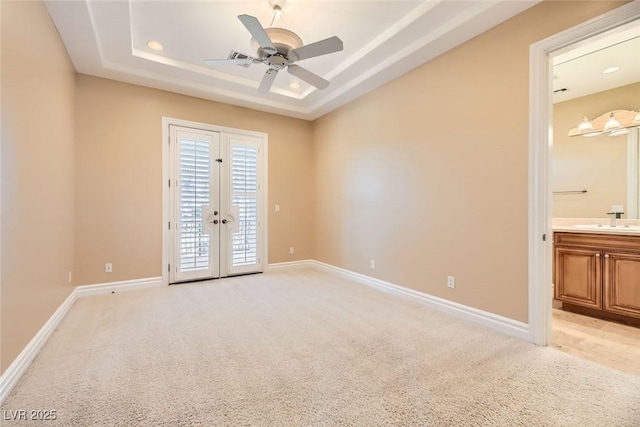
(244, 196)
(194, 188)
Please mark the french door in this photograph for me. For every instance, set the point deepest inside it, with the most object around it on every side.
(216, 204)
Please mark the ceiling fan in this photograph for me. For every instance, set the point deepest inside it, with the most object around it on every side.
(279, 48)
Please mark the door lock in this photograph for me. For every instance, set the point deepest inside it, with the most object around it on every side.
(215, 212)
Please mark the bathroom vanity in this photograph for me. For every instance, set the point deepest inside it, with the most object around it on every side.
(597, 271)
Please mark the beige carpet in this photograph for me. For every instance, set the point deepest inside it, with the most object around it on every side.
(302, 347)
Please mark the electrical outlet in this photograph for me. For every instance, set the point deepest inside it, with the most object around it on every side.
(292, 250)
(108, 267)
(373, 263)
(451, 282)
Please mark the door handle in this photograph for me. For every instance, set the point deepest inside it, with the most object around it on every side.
(215, 221)
(224, 221)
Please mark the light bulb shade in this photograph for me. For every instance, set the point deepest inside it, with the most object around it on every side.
(589, 135)
(611, 124)
(585, 125)
(619, 132)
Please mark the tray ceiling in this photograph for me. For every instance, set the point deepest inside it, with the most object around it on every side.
(382, 40)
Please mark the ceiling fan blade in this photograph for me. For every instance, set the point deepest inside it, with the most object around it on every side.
(323, 47)
(244, 61)
(267, 81)
(308, 76)
(257, 31)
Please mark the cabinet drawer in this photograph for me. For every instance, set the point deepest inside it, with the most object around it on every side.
(597, 241)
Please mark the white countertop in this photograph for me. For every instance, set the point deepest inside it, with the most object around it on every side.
(590, 226)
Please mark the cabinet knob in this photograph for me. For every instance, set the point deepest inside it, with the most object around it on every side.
(597, 255)
(606, 255)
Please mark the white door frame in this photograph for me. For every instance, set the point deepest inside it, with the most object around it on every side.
(540, 143)
(166, 197)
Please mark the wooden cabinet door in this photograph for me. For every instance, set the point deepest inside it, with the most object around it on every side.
(622, 283)
(578, 277)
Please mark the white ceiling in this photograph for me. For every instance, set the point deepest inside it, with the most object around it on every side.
(579, 67)
(382, 40)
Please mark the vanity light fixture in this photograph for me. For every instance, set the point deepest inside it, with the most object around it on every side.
(614, 123)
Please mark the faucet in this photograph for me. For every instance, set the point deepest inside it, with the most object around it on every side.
(614, 216)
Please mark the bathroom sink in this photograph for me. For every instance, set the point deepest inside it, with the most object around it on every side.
(608, 227)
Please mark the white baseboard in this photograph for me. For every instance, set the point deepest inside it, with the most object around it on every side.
(125, 285)
(301, 263)
(502, 324)
(18, 367)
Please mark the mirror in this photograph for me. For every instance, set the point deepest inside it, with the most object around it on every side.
(591, 79)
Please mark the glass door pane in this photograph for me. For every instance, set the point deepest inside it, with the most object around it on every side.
(242, 234)
(196, 192)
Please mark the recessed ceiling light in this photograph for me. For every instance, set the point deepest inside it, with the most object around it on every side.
(155, 45)
(294, 85)
(611, 70)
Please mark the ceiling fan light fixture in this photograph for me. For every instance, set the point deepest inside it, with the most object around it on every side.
(283, 39)
(279, 48)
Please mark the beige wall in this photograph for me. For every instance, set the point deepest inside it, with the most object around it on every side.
(428, 174)
(37, 173)
(597, 164)
(119, 171)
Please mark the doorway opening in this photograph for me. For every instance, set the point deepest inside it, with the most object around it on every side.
(214, 199)
(541, 140)
(591, 176)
